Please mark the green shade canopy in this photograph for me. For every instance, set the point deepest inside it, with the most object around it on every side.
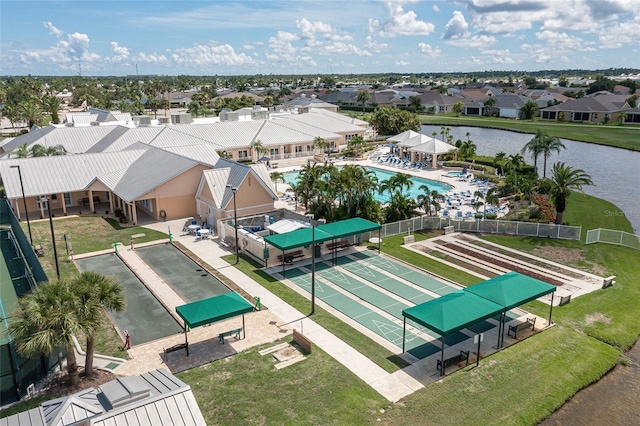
(344, 228)
(213, 309)
(452, 312)
(298, 238)
(511, 289)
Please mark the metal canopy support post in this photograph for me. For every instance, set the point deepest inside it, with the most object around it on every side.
(53, 237)
(186, 339)
(24, 201)
(244, 329)
(313, 269)
(283, 271)
(379, 240)
(442, 358)
(551, 308)
(404, 331)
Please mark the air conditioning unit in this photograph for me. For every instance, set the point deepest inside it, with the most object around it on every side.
(69, 124)
(164, 120)
(95, 123)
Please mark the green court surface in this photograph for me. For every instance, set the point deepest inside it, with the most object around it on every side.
(363, 315)
(406, 273)
(145, 318)
(186, 277)
(376, 280)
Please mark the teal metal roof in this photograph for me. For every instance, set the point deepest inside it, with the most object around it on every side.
(213, 309)
(354, 226)
(511, 289)
(452, 312)
(298, 238)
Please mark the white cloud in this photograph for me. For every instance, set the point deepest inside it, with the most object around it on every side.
(400, 22)
(151, 58)
(428, 50)
(436, 9)
(339, 47)
(374, 45)
(66, 53)
(621, 34)
(309, 29)
(212, 53)
(247, 46)
(474, 41)
(560, 41)
(121, 53)
(55, 31)
(402, 63)
(456, 27)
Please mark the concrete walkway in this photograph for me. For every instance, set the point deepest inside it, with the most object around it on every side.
(392, 386)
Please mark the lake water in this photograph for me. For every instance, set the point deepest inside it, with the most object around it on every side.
(614, 171)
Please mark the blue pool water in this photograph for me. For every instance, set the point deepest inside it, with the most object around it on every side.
(413, 192)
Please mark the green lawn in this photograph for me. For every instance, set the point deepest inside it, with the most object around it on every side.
(627, 137)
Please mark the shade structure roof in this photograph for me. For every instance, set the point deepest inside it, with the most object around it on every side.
(287, 225)
(511, 289)
(401, 137)
(432, 146)
(353, 226)
(452, 312)
(213, 309)
(298, 238)
(418, 139)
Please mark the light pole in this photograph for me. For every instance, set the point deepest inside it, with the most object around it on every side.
(235, 220)
(53, 236)
(24, 200)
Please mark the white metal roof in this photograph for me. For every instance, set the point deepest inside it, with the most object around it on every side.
(204, 153)
(127, 138)
(62, 173)
(339, 116)
(154, 398)
(75, 140)
(287, 225)
(326, 122)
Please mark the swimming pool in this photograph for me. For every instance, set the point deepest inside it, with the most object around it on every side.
(413, 192)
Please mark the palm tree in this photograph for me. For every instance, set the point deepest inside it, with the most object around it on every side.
(45, 320)
(95, 293)
(563, 180)
(277, 177)
(514, 163)
(534, 147)
(436, 198)
(21, 152)
(258, 149)
(323, 144)
(363, 97)
(550, 144)
(38, 150)
(51, 104)
(424, 199)
(467, 150)
(31, 113)
(489, 103)
(529, 110)
(498, 159)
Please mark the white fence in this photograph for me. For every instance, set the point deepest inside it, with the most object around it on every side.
(611, 236)
(486, 226)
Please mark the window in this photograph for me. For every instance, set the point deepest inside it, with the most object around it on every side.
(67, 199)
(243, 154)
(274, 151)
(299, 149)
(309, 148)
(580, 116)
(146, 204)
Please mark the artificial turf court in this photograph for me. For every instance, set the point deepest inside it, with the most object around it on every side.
(145, 317)
(373, 291)
(184, 275)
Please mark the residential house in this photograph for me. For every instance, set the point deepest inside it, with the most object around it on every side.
(632, 116)
(597, 109)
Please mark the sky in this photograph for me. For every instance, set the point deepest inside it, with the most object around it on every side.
(242, 37)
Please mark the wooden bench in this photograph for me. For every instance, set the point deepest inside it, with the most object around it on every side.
(302, 341)
(609, 281)
(235, 332)
(289, 257)
(174, 348)
(462, 356)
(529, 323)
(339, 245)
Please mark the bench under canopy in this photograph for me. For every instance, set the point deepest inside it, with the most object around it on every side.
(211, 310)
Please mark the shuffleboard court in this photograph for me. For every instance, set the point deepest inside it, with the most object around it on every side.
(364, 316)
(406, 273)
(145, 318)
(383, 281)
(186, 277)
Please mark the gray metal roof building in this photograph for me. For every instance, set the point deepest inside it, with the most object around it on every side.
(154, 398)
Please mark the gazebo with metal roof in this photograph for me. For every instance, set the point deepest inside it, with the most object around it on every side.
(211, 310)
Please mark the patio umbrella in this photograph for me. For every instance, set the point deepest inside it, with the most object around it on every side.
(464, 169)
(264, 159)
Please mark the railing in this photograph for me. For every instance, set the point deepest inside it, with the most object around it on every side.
(610, 236)
(486, 226)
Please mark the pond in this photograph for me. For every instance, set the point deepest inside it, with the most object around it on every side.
(614, 171)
